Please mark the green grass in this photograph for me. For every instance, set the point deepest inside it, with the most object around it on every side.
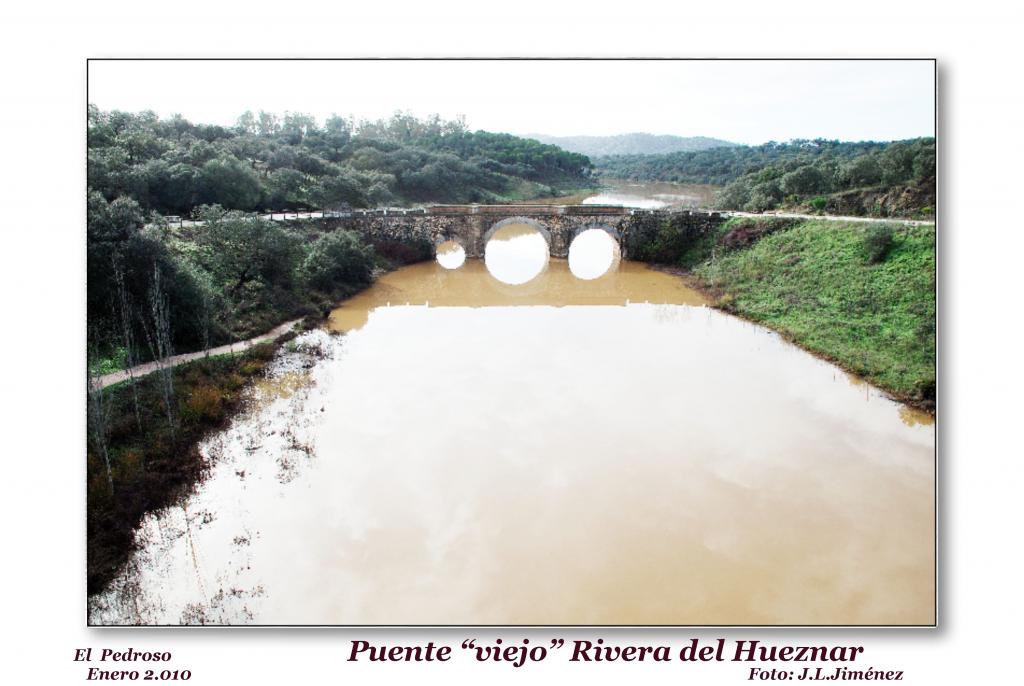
(821, 285)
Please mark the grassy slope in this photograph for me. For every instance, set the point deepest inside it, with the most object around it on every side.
(813, 283)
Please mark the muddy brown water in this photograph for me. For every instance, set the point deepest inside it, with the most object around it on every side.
(567, 450)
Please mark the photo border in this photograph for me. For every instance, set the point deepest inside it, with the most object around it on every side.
(939, 591)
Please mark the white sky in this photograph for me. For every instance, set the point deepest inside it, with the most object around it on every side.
(742, 101)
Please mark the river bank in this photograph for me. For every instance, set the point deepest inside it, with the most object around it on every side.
(143, 457)
(609, 403)
(860, 296)
(143, 449)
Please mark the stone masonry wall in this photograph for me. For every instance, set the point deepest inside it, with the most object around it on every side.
(471, 226)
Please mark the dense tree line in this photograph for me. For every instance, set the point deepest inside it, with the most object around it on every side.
(269, 162)
(153, 291)
(722, 165)
(763, 177)
(233, 276)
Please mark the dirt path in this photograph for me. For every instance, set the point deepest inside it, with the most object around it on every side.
(148, 367)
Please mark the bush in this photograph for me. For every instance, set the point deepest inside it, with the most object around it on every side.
(205, 403)
(878, 241)
(337, 260)
(663, 241)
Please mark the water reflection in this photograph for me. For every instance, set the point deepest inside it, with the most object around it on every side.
(516, 253)
(564, 452)
(425, 285)
(913, 417)
(592, 253)
(451, 255)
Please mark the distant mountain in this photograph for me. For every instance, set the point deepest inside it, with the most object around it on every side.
(630, 144)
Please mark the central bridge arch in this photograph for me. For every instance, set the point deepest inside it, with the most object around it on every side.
(510, 221)
(610, 230)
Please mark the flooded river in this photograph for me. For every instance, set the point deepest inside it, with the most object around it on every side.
(517, 440)
(652, 195)
(646, 195)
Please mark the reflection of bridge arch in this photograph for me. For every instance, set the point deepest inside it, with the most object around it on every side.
(541, 228)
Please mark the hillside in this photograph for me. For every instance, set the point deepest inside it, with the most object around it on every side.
(860, 178)
(265, 161)
(630, 144)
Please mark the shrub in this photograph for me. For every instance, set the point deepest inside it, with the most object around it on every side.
(250, 368)
(205, 403)
(878, 241)
(336, 260)
(818, 204)
(664, 241)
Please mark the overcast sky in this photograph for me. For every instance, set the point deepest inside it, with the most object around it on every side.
(742, 101)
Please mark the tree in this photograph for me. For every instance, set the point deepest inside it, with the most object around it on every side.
(157, 325)
(267, 124)
(115, 221)
(862, 171)
(805, 180)
(98, 421)
(296, 125)
(286, 188)
(237, 251)
(126, 327)
(764, 196)
(227, 182)
(247, 123)
(338, 258)
(897, 163)
(338, 191)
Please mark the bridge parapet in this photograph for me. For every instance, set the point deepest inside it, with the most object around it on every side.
(526, 210)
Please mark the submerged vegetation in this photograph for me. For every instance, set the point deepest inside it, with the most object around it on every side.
(143, 453)
(860, 295)
(820, 176)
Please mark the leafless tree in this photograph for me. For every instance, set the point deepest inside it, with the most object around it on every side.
(123, 307)
(158, 336)
(98, 424)
(204, 321)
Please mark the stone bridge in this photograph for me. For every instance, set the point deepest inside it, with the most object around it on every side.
(472, 225)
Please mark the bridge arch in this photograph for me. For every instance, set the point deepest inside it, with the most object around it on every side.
(589, 259)
(449, 238)
(450, 251)
(540, 227)
(610, 230)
